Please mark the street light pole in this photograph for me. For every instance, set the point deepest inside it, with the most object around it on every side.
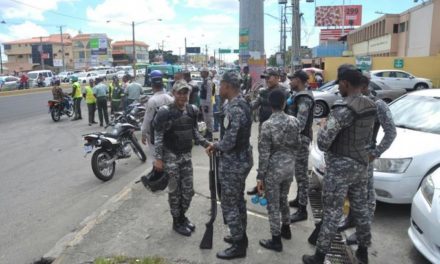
(134, 51)
(1, 60)
(62, 47)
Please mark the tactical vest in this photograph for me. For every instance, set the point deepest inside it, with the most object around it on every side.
(204, 90)
(354, 140)
(244, 132)
(265, 109)
(179, 138)
(90, 98)
(307, 131)
(116, 94)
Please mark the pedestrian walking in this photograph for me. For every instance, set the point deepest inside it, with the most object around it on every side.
(100, 90)
(235, 163)
(90, 101)
(278, 143)
(302, 108)
(344, 138)
(175, 128)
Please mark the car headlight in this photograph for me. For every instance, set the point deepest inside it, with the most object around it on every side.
(427, 189)
(392, 165)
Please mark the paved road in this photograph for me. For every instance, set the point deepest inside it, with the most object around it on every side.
(47, 186)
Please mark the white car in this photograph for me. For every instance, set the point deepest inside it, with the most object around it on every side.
(424, 231)
(85, 77)
(414, 153)
(401, 79)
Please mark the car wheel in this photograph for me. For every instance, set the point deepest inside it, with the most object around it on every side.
(429, 172)
(420, 86)
(321, 109)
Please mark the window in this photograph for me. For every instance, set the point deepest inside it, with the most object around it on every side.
(82, 55)
(396, 28)
(66, 54)
(374, 86)
(379, 74)
(402, 75)
(7, 46)
(20, 56)
(402, 27)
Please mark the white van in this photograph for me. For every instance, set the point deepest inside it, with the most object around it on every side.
(47, 74)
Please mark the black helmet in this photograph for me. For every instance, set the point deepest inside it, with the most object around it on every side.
(155, 181)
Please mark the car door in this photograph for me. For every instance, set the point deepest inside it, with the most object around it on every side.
(404, 80)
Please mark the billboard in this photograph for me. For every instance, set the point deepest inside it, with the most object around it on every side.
(244, 38)
(326, 16)
(195, 50)
(98, 44)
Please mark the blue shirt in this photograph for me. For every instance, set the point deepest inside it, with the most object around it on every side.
(100, 90)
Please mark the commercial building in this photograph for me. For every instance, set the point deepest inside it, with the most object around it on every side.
(29, 54)
(91, 50)
(123, 52)
(413, 33)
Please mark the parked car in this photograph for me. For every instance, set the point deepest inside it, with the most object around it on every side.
(106, 74)
(325, 98)
(65, 76)
(47, 74)
(401, 79)
(85, 77)
(414, 154)
(9, 83)
(425, 218)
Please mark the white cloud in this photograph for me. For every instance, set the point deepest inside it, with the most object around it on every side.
(219, 19)
(221, 5)
(28, 9)
(26, 30)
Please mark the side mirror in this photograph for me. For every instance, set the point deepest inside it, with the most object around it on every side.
(411, 77)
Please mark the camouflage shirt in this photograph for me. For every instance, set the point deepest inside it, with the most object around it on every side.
(386, 122)
(279, 140)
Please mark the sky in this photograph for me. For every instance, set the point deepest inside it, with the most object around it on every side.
(212, 23)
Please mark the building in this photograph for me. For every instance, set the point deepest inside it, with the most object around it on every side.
(413, 33)
(91, 50)
(123, 52)
(28, 54)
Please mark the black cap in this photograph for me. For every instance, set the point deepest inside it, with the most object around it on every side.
(300, 74)
(350, 73)
(232, 78)
(270, 72)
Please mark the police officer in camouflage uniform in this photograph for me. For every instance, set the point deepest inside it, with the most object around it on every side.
(344, 138)
(235, 164)
(384, 120)
(302, 108)
(277, 146)
(175, 127)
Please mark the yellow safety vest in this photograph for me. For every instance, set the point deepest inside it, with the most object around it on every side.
(90, 98)
(77, 90)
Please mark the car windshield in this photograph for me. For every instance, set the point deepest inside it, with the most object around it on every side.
(33, 75)
(421, 113)
(81, 74)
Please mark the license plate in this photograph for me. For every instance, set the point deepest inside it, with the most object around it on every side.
(88, 148)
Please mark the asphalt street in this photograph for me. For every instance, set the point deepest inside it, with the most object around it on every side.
(47, 186)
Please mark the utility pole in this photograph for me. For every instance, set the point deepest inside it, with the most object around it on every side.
(1, 60)
(206, 54)
(343, 18)
(62, 47)
(296, 36)
(186, 59)
(134, 51)
(41, 53)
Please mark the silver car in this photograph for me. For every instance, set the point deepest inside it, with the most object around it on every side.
(325, 99)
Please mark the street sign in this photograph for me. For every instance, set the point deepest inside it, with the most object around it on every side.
(398, 63)
(236, 51)
(193, 50)
(244, 38)
(224, 51)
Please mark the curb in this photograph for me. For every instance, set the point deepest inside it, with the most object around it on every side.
(28, 91)
(102, 213)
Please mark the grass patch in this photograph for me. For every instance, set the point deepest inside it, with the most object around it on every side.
(128, 260)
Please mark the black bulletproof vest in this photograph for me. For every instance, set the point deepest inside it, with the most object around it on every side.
(307, 131)
(179, 138)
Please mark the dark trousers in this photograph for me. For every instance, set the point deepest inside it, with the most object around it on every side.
(92, 109)
(102, 109)
(77, 107)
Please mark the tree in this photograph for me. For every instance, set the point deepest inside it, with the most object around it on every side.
(272, 61)
(168, 57)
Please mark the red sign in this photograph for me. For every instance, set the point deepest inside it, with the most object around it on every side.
(332, 34)
(333, 15)
(45, 56)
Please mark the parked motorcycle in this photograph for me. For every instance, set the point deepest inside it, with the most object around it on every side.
(116, 143)
(58, 108)
(134, 115)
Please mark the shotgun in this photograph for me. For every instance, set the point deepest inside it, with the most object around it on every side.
(206, 242)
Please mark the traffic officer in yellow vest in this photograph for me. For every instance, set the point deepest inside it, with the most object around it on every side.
(90, 101)
(116, 92)
(77, 97)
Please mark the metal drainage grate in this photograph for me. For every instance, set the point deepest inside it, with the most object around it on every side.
(339, 253)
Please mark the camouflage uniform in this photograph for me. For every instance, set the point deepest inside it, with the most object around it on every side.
(235, 163)
(345, 139)
(277, 149)
(384, 119)
(206, 104)
(177, 165)
(302, 109)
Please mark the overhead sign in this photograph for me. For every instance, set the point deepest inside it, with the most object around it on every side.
(224, 50)
(349, 15)
(398, 63)
(363, 63)
(236, 51)
(193, 50)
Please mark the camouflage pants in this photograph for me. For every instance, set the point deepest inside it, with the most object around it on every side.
(276, 191)
(301, 169)
(344, 177)
(371, 193)
(180, 172)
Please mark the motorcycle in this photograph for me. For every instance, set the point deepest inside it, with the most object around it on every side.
(59, 108)
(114, 144)
(134, 114)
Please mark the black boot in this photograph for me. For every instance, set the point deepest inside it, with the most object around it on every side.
(272, 244)
(348, 223)
(180, 227)
(237, 250)
(362, 255)
(252, 191)
(285, 232)
(188, 223)
(318, 258)
(228, 239)
(294, 202)
(299, 215)
(314, 236)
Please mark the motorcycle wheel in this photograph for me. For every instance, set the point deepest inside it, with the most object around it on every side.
(56, 114)
(101, 170)
(69, 112)
(137, 149)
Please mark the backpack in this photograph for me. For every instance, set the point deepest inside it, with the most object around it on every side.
(189, 111)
